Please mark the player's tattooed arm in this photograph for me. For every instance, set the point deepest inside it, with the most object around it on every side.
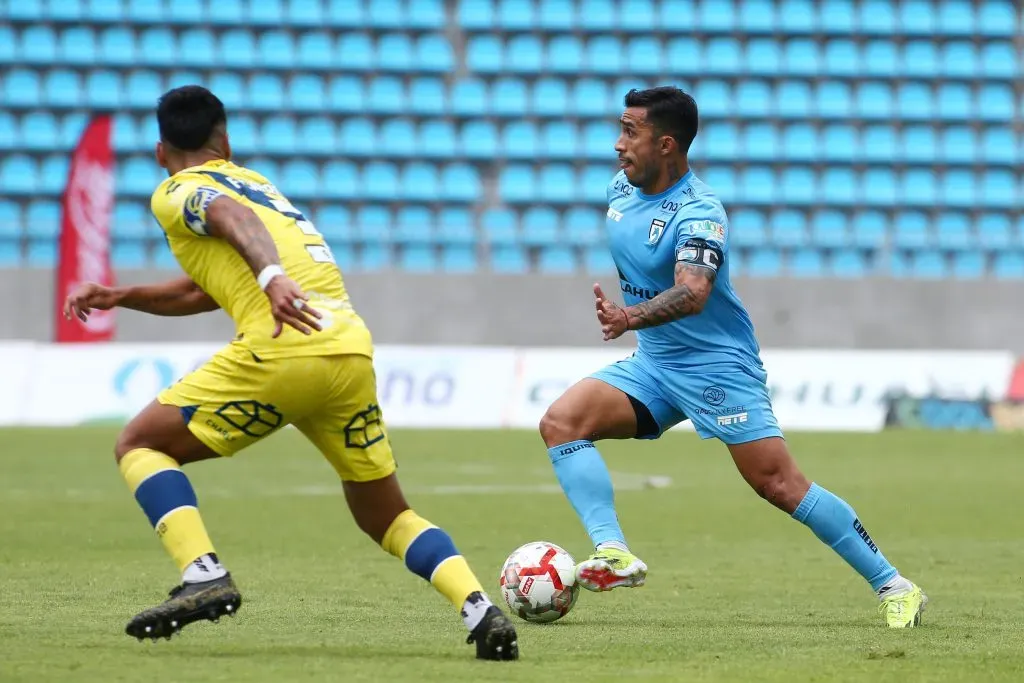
(239, 226)
(174, 298)
(687, 297)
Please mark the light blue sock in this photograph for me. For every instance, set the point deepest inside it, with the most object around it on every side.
(836, 524)
(588, 486)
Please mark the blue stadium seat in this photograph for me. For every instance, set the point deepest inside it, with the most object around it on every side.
(590, 97)
(799, 185)
(549, 97)
(596, 16)
(433, 53)
(500, 227)
(756, 16)
(879, 187)
(355, 52)
(460, 182)
(717, 15)
(998, 188)
(644, 56)
(25, 10)
(638, 16)
(763, 57)
(345, 14)
(419, 258)
(373, 225)
(373, 257)
(994, 232)
(469, 98)
(340, 180)
(842, 58)
(237, 49)
(458, 259)
(226, 12)
(425, 14)
(958, 145)
(63, 88)
(479, 140)
(397, 138)
(848, 263)
(509, 97)
(10, 251)
(959, 60)
(539, 227)
(484, 54)
(524, 54)
(839, 186)
(723, 180)
(437, 139)
(920, 144)
(130, 222)
(839, 143)
(806, 263)
(266, 92)
(995, 102)
(557, 259)
(592, 183)
(996, 18)
(104, 10)
(914, 101)
(10, 221)
(1001, 145)
(874, 100)
(78, 46)
(315, 50)
(753, 99)
(722, 57)
(103, 89)
(759, 142)
(757, 185)
(420, 182)
(67, 10)
(38, 45)
(879, 143)
(917, 18)
(519, 140)
(880, 59)
(509, 260)
(39, 131)
(800, 57)
(604, 55)
(22, 88)
(304, 13)
(117, 46)
(42, 220)
(395, 53)
(125, 136)
(958, 188)
(145, 12)
(414, 225)
(969, 265)
(929, 265)
(793, 100)
(275, 50)
(358, 136)
(455, 227)
(198, 48)
(686, 55)
(244, 134)
(557, 183)
(954, 102)
(597, 259)
(346, 94)
(877, 17)
(157, 47)
(999, 60)
(266, 12)
(128, 255)
(387, 93)
(427, 96)
(920, 59)
(911, 231)
(582, 226)
(565, 55)
(953, 231)
(334, 221)
(1008, 265)
(788, 228)
(279, 135)
(870, 230)
(72, 125)
(556, 15)
(718, 141)
(598, 140)
(829, 229)
(8, 131)
(9, 53)
(42, 254)
(955, 17)
(516, 15)
(764, 262)
(306, 93)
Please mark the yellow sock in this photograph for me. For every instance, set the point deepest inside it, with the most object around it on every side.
(429, 553)
(166, 496)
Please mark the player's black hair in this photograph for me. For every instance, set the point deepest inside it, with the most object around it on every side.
(670, 110)
(188, 117)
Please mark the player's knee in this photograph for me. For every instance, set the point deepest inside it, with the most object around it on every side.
(126, 442)
(560, 426)
(781, 487)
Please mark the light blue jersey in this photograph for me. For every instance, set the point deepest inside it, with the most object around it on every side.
(645, 233)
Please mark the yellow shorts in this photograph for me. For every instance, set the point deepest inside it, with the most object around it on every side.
(235, 399)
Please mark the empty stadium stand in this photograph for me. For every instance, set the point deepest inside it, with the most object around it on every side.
(848, 138)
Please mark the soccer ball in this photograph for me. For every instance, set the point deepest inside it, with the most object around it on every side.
(539, 583)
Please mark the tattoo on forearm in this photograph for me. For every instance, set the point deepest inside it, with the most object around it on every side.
(675, 303)
(255, 244)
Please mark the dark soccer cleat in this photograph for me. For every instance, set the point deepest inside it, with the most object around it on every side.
(495, 636)
(188, 602)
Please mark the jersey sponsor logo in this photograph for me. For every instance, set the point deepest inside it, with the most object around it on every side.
(194, 210)
(656, 231)
(614, 215)
(714, 395)
(728, 420)
(623, 187)
(641, 292)
(669, 206)
(708, 230)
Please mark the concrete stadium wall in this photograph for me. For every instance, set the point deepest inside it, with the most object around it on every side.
(546, 310)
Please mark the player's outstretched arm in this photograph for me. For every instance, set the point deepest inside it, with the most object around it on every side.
(176, 297)
(239, 226)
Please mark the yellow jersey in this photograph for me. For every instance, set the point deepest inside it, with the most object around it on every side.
(180, 203)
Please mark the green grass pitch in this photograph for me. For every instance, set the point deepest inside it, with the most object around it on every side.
(736, 591)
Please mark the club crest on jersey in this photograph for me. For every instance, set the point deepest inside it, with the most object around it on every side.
(614, 215)
(657, 229)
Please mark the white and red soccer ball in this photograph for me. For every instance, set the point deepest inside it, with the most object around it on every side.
(539, 583)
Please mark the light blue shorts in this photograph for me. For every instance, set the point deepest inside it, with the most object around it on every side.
(730, 404)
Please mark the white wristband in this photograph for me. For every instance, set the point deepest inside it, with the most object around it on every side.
(268, 274)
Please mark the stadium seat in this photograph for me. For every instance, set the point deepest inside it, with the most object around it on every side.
(479, 140)
(10, 221)
(582, 226)
(124, 135)
(839, 186)
(839, 143)
(500, 227)
(130, 222)
(880, 59)
(916, 18)
(958, 188)
(999, 60)
(759, 142)
(509, 260)
(1001, 145)
(145, 12)
(911, 231)
(920, 59)
(334, 221)
(793, 100)
(789, 229)
(848, 263)
(374, 224)
(718, 141)
(799, 185)
(604, 55)
(10, 253)
(806, 263)
(276, 50)
(763, 57)
(998, 189)
(596, 16)
(919, 144)
(953, 231)
(460, 182)
(870, 230)
(8, 131)
(469, 98)
(685, 55)
(484, 54)
(418, 258)
(157, 47)
(722, 57)
(22, 88)
(557, 259)
(419, 182)
(953, 102)
(128, 255)
(42, 254)
(829, 229)
(591, 184)
(756, 16)
(753, 99)
(437, 139)
(764, 262)
(995, 102)
(340, 180)
(355, 52)
(757, 185)
(723, 180)
(557, 184)
(996, 18)
(455, 227)
(387, 94)
(749, 228)
(878, 187)
(644, 57)
(519, 140)
(509, 97)
(878, 144)
(994, 231)
(374, 257)
(1008, 265)
(53, 174)
(549, 97)
(590, 97)
(397, 138)
(414, 225)
(38, 46)
(929, 265)
(458, 259)
(597, 259)
(876, 17)
(539, 227)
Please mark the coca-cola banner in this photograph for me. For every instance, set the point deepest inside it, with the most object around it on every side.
(84, 253)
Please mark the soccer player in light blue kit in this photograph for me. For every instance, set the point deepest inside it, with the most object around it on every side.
(697, 358)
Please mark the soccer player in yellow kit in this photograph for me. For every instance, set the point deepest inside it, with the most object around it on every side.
(301, 356)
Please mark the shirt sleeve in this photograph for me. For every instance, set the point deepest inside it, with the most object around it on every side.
(702, 239)
(180, 205)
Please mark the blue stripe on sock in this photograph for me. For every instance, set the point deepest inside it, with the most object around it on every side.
(807, 504)
(566, 450)
(163, 492)
(430, 549)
